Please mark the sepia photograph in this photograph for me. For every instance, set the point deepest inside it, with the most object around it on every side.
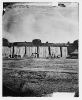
(40, 49)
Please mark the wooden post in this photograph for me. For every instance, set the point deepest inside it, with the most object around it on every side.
(49, 51)
(61, 51)
(13, 52)
(25, 47)
(37, 51)
(25, 50)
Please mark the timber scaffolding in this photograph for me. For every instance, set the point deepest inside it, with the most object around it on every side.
(28, 49)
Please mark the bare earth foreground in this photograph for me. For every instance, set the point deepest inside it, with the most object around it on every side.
(38, 77)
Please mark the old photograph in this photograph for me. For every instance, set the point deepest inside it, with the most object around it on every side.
(40, 44)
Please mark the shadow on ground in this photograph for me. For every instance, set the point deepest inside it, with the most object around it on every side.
(9, 92)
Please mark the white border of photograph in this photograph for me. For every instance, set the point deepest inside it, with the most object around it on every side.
(56, 96)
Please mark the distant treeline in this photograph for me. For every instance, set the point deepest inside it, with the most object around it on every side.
(38, 42)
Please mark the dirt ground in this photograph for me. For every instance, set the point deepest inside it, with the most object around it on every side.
(38, 77)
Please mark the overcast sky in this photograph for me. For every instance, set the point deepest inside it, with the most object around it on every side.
(52, 24)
